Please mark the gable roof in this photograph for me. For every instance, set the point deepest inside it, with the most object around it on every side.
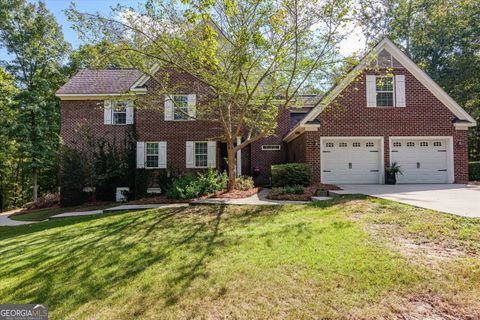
(100, 82)
(386, 44)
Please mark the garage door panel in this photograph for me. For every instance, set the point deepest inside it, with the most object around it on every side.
(350, 161)
(421, 160)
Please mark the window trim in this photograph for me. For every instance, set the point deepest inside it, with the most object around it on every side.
(271, 147)
(393, 91)
(195, 154)
(146, 155)
(113, 106)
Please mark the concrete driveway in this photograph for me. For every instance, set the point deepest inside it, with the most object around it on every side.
(459, 199)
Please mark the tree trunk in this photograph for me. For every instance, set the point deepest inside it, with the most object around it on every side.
(35, 184)
(232, 172)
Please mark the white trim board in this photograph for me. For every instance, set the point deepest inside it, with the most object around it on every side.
(402, 58)
(381, 172)
(450, 156)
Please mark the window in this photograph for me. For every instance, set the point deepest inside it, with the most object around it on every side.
(270, 147)
(397, 144)
(152, 151)
(180, 105)
(342, 144)
(384, 91)
(329, 145)
(356, 144)
(410, 144)
(296, 117)
(424, 144)
(437, 144)
(119, 112)
(369, 144)
(201, 154)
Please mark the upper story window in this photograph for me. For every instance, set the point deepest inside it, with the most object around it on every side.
(180, 107)
(118, 112)
(384, 89)
(201, 154)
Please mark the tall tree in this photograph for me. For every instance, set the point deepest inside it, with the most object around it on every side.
(254, 56)
(8, 146)
(102, 55)
(31, 35)
(443, 37)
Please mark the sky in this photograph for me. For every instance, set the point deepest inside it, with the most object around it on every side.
(354, 42)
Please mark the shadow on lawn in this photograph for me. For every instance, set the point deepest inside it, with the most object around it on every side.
(82, 262)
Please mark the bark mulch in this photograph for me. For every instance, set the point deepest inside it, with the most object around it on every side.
(307, 194)
(235, 194)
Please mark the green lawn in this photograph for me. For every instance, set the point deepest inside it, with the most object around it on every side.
(43, 214)
(340, 259)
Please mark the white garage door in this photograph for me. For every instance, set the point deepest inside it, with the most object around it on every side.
(351, 160)
(421, 160)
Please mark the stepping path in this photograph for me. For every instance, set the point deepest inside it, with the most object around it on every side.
(5, 221)
(255, 200)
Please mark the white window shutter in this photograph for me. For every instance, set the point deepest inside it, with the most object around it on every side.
(189, 154)
(162, 154)
(192, 106)
(129, 111)
(168, 108)
(212, 154)
(371, 91)
(107, 112)
(400, 91)
(140, 154)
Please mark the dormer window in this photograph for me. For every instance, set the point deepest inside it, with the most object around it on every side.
(384, 90)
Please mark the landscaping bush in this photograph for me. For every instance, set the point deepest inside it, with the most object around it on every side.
(244, 183)
(192, 186)
(297, 189)
(474, 171)
(291, 174)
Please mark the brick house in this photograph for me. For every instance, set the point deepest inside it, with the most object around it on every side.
(385, 110)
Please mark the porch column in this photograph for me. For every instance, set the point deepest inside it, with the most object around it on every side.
(239, 158)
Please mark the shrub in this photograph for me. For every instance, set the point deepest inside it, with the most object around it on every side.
(192, 186)
(72, 178)
(291, 174)
(297, 189)
(474, 170)
(244, 183)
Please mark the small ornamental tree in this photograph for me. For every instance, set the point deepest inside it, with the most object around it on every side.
(254, 56)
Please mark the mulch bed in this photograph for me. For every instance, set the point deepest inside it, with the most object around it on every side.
(235, 194)
(307, 194)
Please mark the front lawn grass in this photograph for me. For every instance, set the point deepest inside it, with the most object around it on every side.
(315, 261)
(43, 214)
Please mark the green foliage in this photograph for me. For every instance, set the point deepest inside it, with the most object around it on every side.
(474, 171)
(34, 41)
(244, 183)
(191, 186)
(103, 55)
(296, 189)
(291, 174)
(393, 169)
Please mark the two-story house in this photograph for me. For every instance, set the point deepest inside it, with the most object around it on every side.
(385, 110)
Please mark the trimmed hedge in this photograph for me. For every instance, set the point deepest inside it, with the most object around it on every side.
(474, 170)
(291, 174)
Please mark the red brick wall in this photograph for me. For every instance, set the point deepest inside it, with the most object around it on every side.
(263, 159)
(424, 115)
(78, 115)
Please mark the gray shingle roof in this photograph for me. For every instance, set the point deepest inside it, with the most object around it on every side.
(101, 81)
